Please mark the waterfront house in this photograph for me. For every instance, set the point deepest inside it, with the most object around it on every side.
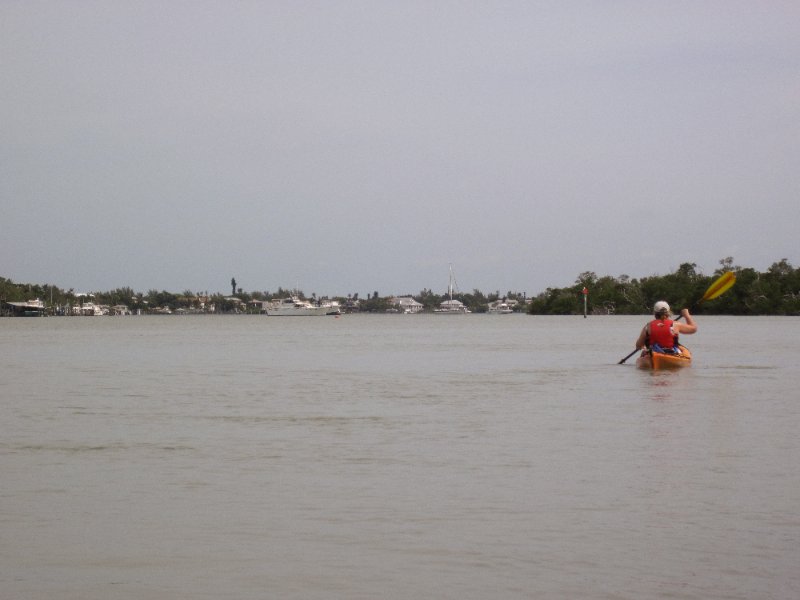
(407, 304)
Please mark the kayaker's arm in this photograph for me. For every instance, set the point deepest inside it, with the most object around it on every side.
(688, 327)
(642, 341)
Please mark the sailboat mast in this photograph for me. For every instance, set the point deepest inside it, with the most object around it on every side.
(450, 283)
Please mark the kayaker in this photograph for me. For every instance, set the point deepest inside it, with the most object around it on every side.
(661, 334)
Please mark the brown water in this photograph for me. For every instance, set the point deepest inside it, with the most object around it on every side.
(395, 457)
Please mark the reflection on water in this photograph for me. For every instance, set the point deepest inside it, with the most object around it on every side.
(662, 384)
(395, 457)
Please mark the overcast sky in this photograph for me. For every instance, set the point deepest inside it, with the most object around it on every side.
(343, 147)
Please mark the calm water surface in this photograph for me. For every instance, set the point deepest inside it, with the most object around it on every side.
(396, 456)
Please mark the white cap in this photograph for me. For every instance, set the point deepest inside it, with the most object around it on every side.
(661, 307)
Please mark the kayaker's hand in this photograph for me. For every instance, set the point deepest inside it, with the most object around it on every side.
(685, 313)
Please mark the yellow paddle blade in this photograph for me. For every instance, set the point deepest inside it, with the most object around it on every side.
(720, 286)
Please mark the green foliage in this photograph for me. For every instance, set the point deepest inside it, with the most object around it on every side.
(776, 292)
(120, 296)
(162, 299)
(375, 303)
(21, 292)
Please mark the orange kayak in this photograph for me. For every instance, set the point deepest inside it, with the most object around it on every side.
(660, 360)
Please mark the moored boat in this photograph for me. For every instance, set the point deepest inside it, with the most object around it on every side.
(31, 308)
(649, 359)
(297, 307)
(451, 306)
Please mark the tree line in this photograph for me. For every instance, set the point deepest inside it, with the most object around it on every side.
(239, 300)
(773, 292)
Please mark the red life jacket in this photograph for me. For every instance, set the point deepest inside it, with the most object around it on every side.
(661, 333)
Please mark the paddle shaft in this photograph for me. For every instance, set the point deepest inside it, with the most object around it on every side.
(629, 355)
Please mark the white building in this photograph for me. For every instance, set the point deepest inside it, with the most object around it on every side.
(407, 304)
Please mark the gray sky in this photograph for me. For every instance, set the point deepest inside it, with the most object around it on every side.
(344, 147)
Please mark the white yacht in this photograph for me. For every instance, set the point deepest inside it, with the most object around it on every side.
(296, 307)
(31, 308)
(89, 309)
